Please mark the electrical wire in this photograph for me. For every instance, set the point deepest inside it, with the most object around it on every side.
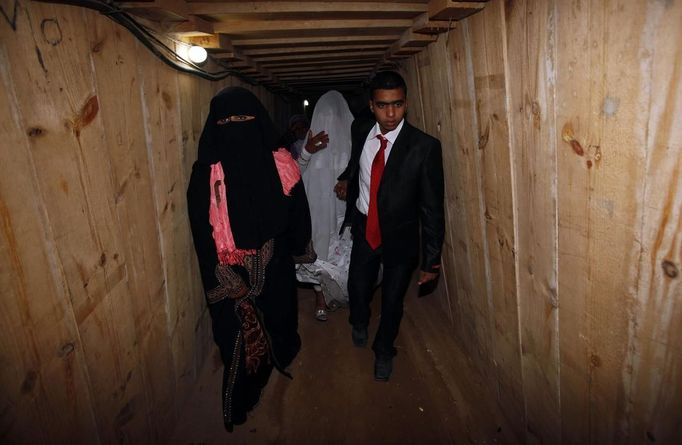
(162, 51)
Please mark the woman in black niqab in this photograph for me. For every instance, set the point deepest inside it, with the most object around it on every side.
(250, 221)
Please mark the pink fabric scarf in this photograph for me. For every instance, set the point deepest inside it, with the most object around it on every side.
(289, 173)
(228, 252)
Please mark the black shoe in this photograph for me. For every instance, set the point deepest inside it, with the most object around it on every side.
(382, 369)
(359, 335)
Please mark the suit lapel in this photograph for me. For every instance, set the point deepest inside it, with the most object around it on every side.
(398, 153)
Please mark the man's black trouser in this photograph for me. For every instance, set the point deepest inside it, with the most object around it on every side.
(362, 276)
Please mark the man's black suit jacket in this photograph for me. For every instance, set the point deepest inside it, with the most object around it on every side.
(411, 192)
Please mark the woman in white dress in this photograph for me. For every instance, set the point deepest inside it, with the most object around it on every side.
(330, 124)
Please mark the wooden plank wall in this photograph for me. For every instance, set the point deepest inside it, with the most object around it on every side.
(561, 123)
(102, 315)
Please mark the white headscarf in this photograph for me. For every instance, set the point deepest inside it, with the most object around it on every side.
(332, 115)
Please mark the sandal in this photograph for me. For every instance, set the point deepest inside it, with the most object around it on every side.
(320, 315)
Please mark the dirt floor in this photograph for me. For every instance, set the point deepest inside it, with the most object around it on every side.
(333, 398)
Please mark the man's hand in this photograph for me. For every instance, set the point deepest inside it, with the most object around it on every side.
(425, 277)
(341, 188)
(317, 142)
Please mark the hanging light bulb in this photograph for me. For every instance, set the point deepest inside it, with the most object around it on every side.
(197, 54)
(306, 103)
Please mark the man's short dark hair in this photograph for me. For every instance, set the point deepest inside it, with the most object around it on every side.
(386, 80)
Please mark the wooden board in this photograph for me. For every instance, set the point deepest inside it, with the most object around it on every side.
(531, 63)
(488, 54)
(40, 344)
(561, 144)
(467, 156)
(115, 61)
(76, 191)
(603, 224)
(655, 317)
(103, 313)
(438, 122)
(582, 276)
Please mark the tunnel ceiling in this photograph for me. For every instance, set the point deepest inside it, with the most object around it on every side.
(305, 46)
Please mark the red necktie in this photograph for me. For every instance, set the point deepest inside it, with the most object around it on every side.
(373, 232)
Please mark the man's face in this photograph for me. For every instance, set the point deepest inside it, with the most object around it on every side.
(389, 108)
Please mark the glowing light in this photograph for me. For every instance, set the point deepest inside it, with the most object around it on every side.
(306, 103)
(197, 54)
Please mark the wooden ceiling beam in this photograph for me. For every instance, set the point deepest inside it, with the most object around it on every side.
(424, 25)
(313, 41)
(321, 72)
(319, 89)
(440, 18)
(449, 10)
(194, 27)
(317, 56)
(325, 74)
(170, 9)
(258, 53)
(294, 8)
(215, 42)
(404, 52)
(360, 68)
(247, 27)
(226, 56)
(354, 68)
(329, 85)
(331, 80)
(313, 84)
(409, 43)
(304, 83)
(315, 88)
(288, 43)
(339, 62)
(223, 50)
(412, 40)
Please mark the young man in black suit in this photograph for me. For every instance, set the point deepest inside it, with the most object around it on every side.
(393, 185)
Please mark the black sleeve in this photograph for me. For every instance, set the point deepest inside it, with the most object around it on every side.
(198, 203)
(431, 212)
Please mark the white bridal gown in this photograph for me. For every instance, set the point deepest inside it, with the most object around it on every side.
(330, 271)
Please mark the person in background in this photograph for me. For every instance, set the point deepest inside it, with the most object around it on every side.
(296, 132)
(250, 223)
(395, 191)
(321, 161)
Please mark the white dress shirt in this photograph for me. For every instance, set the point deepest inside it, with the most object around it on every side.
(369, 151)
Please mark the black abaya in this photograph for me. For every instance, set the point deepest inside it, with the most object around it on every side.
(272, 225)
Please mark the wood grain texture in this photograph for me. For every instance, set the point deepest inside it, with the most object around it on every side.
(438, 121)
(561, 146)
(76, 191)
(578, 129)
(531, 34)
(467, 158)
(103, 315)
(40, 342)
(654, 334)
(493, 137)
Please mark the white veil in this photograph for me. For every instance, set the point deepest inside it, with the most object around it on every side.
(333, 116)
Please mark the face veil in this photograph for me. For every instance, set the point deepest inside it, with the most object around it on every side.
(241, 136)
